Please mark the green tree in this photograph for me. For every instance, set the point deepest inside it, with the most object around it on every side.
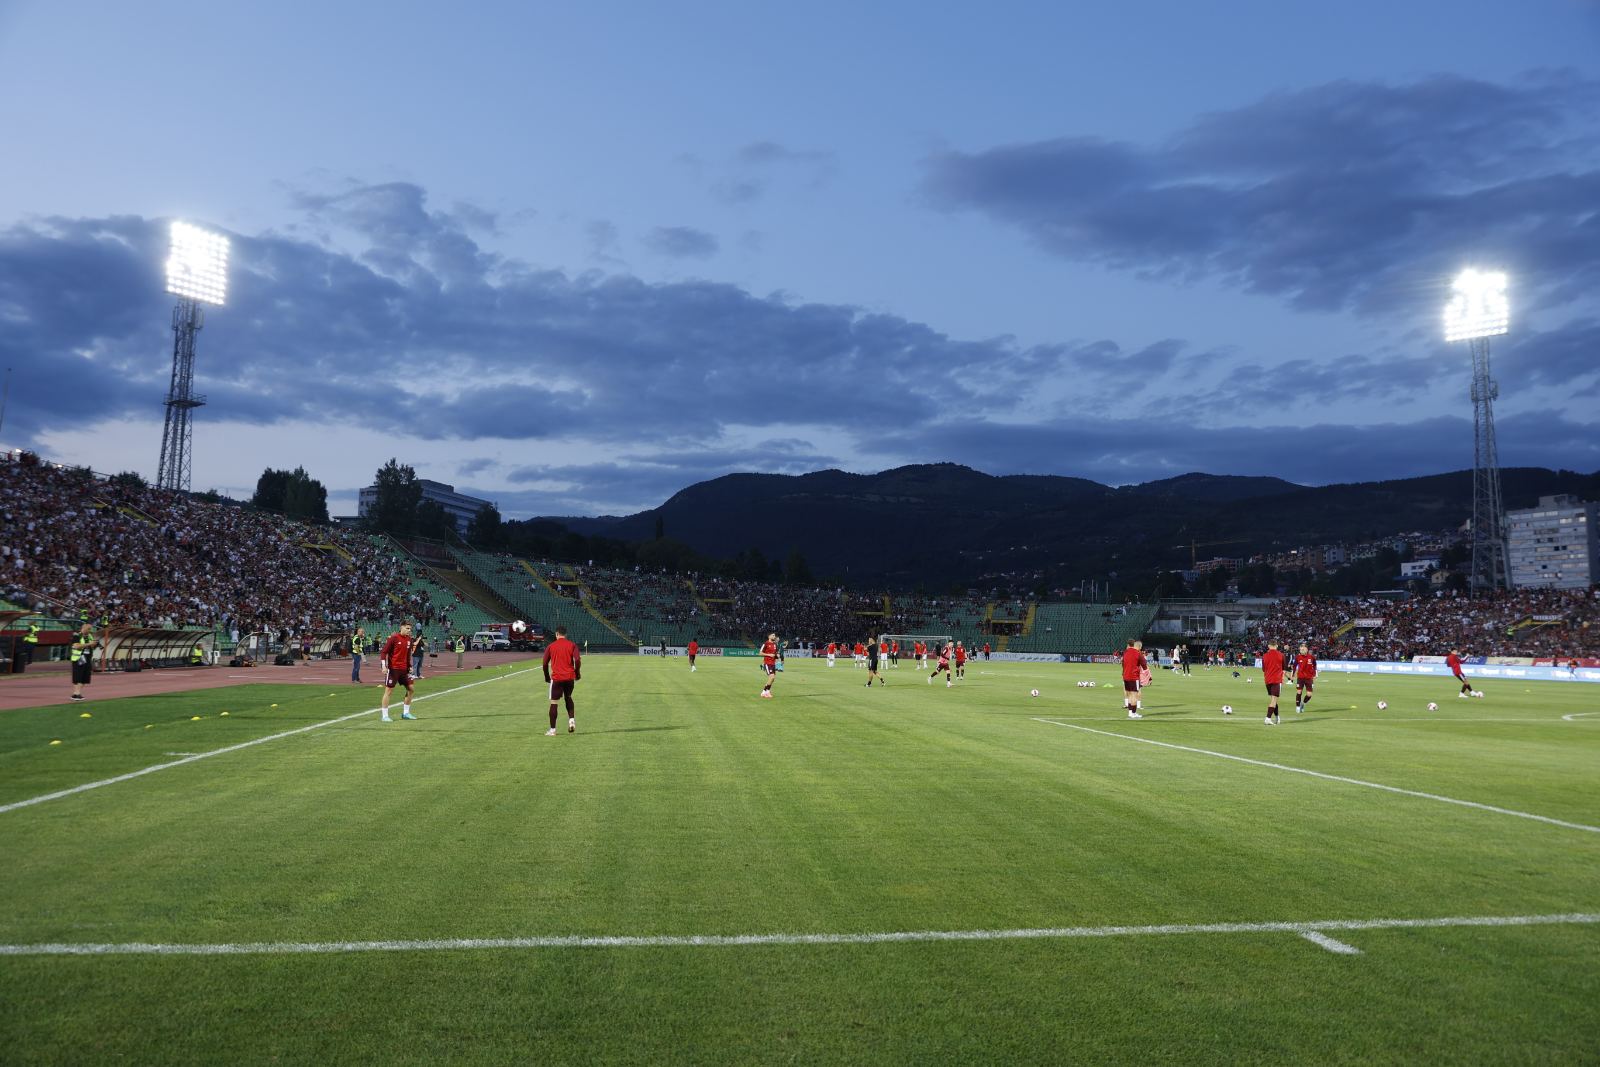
(128, 480)
(394, 509)
(796, 571)
(293, 493)
(435, 522)
(486, 529)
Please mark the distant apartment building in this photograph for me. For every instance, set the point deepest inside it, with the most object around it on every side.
(1417, 568)
(1555, 545)
(458, 506)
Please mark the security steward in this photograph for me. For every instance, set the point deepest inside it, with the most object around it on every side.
(83, 646)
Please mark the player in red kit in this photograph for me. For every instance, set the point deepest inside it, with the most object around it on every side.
(1453, 661)
(563, 666)
(694, 650)
(961, 660)
(1132, 663)
(769, 664)
(397, 671)
(833, 650)
(944, 665)
(1272, 675)
(1305, 674)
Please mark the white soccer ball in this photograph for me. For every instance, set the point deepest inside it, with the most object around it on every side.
(1432, 706)
(1227, 709)
(1383, 705)
(1034, 693)
(519, 627)
(1477, 692)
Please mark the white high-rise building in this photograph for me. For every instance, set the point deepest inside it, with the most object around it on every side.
(1555, 545)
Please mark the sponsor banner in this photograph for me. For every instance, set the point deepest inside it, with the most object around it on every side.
(1427, 659)
(1367, 624)
(1548, 618)
(1036, 657)
(746, 652)
(683, 650)
(1471, 670)
(1582, 662)
(801, 653)
(1510, 661)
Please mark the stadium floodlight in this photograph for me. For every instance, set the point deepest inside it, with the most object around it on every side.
(197, 268)
(1479, 306)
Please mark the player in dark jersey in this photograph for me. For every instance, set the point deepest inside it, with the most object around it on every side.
(397, 671)
(1305, 676)
(1272, 675)
(873, 650)
(943, 665)
(563, 667)
(1133, 662)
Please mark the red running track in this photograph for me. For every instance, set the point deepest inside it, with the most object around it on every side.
(53, 685)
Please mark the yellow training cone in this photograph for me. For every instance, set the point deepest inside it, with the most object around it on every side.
(86, 715)
(57, 741)
(194, 718)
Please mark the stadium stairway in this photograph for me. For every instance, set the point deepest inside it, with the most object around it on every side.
(519, 583)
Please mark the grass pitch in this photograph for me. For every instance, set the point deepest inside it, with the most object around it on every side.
(685, 807)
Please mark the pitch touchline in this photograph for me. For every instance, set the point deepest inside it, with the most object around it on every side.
(1331, 777)
(1303, 929)
(14, 805)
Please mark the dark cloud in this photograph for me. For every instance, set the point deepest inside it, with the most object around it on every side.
(682, 242)
(1343, 196)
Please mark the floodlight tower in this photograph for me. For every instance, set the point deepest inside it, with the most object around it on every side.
(197, 273)
(1478, 310)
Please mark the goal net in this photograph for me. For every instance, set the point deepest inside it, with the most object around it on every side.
(908, 643)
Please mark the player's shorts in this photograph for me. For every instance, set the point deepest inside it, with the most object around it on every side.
(1461, 678)
(1130, 685)
(1272, 689)
(770, 669)
(872, 664)
(691, 658)
(393, 677)
(82, 673)
(1304, 683)
(562, 689)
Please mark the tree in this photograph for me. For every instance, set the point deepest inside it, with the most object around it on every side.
(293, 493)
(485, 529)
(435, 522)
(796, 571)
(394, 506)
(128, 480)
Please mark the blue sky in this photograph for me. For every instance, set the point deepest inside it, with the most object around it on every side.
(575, 257)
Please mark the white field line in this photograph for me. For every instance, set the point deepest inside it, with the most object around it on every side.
(1333, 777)
(284, 948)
(1330, 943)
(1575, 716)
(1316, 716)
(14, 805)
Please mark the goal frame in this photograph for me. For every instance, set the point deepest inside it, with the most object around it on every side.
(934, 641)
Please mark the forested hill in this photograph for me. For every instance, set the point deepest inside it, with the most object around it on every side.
(935, 524)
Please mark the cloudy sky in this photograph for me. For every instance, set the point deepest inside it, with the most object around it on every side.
(574, 257)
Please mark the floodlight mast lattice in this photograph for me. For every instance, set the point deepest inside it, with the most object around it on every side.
(1478, 310)
(197, 273)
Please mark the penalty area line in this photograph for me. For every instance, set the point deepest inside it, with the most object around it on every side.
(1331, 777)
(31, 801)
(1311, 931)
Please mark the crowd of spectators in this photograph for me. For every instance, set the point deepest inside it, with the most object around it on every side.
(136, 555)
(1528, 622)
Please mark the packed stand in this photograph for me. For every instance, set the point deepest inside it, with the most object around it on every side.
(1529, 622)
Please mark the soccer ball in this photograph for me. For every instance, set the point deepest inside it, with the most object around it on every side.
(1432, 706)
(519, 627)
(1227, 709)
(1034, 693)
(1477, 692)
(1383, 705)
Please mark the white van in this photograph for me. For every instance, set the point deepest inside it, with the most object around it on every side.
(491, 641)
